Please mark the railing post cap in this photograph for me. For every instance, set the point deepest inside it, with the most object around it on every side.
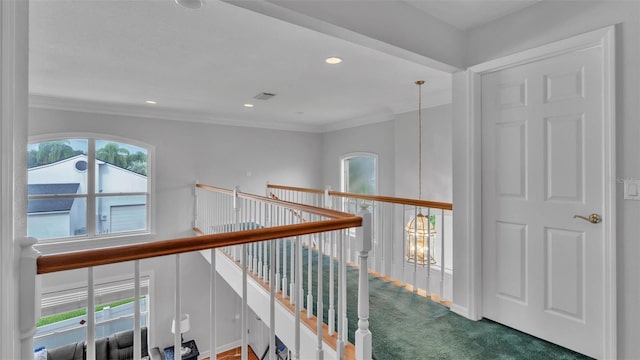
(27, 241)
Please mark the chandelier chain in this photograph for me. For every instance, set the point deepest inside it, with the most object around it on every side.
(420, 83)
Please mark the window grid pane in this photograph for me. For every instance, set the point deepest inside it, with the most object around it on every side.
(66, 167)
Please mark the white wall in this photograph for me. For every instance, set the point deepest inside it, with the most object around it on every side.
(550, 21)
(217, 155)
(436, 154)
(376, 138)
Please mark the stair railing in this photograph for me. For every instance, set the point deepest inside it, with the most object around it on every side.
(278, 264)
(238, 221)
(419, 258)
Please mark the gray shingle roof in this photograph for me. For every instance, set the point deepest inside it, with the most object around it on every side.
(49, 205)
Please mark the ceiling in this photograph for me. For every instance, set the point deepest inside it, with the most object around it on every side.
(204, 65)
(468, 14)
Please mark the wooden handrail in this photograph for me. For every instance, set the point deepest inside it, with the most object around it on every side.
(388, 199)
(292, 205)
(87, 258)
(293, 188)
(295, 213)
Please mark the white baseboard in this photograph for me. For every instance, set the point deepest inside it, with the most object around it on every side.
(460, 310)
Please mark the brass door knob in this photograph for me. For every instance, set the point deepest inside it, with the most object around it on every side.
(593, 218)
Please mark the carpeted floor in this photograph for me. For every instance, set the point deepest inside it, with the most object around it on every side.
(405, 325)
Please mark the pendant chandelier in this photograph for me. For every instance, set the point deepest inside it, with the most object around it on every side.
(420, 228)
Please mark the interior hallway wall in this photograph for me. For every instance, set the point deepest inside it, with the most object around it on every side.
(546, 22)
(436, 154)
(185, 152)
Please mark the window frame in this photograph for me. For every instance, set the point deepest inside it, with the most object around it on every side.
(91, 239)
(344, 173)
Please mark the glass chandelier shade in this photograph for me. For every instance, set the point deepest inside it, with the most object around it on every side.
(420, 231)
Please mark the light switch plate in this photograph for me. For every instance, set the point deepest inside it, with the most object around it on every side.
(631, 189)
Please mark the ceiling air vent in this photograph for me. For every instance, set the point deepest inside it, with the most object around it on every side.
(264, 96)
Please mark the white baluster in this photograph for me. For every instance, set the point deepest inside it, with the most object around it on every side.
(310, 277)
(257, 264)
(267, 262)
(379, 238)
(297, 289)
(277, 269)
(278, 250)
(265, 266)
(196, 207)
(363, 246)
(415, 249)
(404, 237)
(285, 283)
(91, 315)
(257, 261)
(341, 296)
(429, 246)
(294, 270)
(327, 198)
(251, 247)
(137, 346)
(177, 313)
(320, 305)
(343, 270)
(272, 303)
(212, 304)
(332, 312)
(245, 306)
(442, 261)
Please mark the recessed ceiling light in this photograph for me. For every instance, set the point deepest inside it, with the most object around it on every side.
(151, 102)
(333, 60)
(248, 105)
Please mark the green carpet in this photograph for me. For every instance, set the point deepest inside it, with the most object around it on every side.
(408, 326)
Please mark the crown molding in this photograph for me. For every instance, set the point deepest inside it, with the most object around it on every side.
(359, 121)
(37, 101)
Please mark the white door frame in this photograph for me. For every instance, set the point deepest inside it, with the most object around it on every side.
(14, 46)
(471, 201)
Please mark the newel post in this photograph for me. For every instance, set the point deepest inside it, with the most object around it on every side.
(363, 246)
(29, 296)
(327, 198)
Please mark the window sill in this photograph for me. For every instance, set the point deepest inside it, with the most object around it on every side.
(57, 246)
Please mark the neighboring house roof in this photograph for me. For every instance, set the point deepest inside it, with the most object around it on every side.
(49, 205)
(73, 158)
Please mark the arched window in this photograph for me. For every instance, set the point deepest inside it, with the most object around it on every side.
(87, 187)
(360, 173)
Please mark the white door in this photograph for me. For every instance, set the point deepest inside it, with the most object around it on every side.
(542, 163)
